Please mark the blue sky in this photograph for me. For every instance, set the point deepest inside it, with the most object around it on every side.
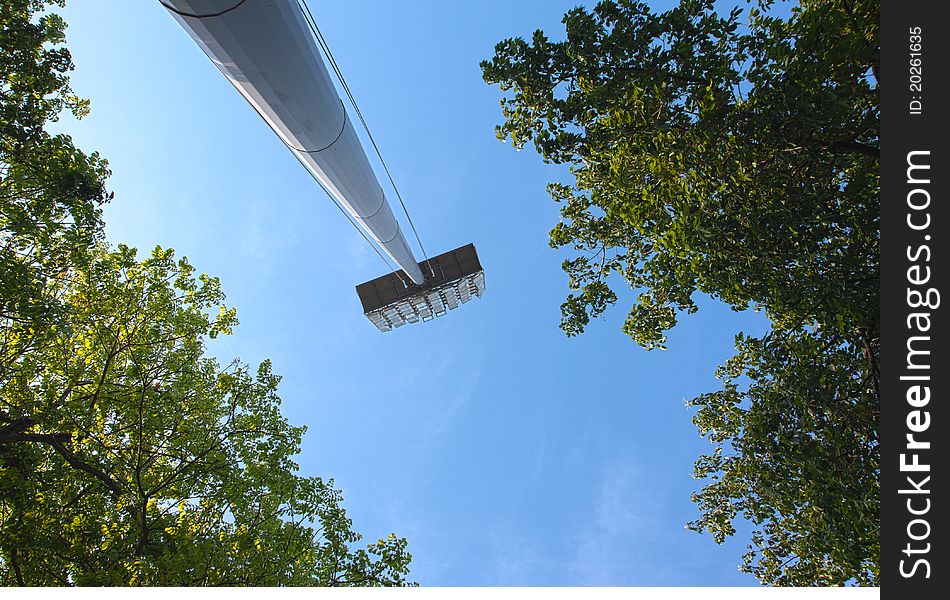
(505, 452)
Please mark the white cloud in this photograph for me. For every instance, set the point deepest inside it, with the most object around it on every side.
(619, 531)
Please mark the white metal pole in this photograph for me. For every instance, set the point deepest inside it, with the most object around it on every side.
(267, 51)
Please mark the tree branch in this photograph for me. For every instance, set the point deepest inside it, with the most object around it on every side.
(856, 148)
(55, 440)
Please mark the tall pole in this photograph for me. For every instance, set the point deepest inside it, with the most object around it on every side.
(267, 51)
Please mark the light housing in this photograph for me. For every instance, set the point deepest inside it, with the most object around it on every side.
(451, 279)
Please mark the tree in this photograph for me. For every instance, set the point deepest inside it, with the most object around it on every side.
(795, 429)
(128, 456)
(50, 193)
(131, 458)
(735, 156)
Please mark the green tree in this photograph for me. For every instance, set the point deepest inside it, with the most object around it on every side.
(50, 192)
(131, 458)
(127, 456)
(737, 156)
(795, 428)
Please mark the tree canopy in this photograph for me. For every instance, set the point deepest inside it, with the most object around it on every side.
(127, 455)
(141, 461)
(51, 193)
(734, 155)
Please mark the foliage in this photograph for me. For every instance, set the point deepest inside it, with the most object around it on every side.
(149, 464)
(50, 192)
(795, 428)
(735, 155)
(127, 456)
